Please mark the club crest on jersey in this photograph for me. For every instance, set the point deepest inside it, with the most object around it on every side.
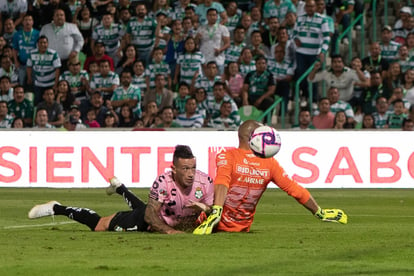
(163, 192)
(198, 193)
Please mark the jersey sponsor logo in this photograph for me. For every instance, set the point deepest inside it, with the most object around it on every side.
(252, 171)
(245, 161)
(251, 180)
(198, 193)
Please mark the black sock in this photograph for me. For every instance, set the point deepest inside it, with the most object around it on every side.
(132, 200)
(82, 215)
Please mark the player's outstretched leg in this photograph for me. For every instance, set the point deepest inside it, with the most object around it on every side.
(115, 186)
(42, 210)
(82, 215)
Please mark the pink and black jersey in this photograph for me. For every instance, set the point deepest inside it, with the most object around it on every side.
(174, 198)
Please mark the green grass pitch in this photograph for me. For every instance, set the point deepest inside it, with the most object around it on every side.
(285, 239)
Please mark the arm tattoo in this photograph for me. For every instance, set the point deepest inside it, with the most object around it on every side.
(153, 219)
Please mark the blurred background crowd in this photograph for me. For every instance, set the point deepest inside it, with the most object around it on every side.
(162, 64)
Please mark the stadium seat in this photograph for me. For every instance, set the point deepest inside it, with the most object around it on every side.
(249, 112)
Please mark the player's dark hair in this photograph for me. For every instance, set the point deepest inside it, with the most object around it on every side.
(182, 151)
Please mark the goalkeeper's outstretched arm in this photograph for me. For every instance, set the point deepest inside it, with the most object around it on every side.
(311, 205)
(329, 215)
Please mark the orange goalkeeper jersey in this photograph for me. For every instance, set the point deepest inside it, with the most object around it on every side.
(247, 177)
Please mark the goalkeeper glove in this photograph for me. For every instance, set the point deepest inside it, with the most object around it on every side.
(332, 215)
(208, 225)
(202, 217)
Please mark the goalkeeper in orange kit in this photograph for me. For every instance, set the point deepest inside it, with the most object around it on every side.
(241, 180)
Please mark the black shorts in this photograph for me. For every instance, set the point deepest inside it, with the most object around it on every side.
(129, 221)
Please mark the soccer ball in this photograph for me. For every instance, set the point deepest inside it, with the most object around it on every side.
(265, 142)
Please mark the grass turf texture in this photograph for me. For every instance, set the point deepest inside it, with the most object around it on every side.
(285, 239)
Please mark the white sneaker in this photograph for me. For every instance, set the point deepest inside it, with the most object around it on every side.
(114, 183)
(42, 210)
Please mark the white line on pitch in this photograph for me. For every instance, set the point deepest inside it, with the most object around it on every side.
(38, 225)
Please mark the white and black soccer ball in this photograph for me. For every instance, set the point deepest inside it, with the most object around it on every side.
(265, 141)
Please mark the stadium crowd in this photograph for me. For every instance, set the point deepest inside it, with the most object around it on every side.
(178, 63)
